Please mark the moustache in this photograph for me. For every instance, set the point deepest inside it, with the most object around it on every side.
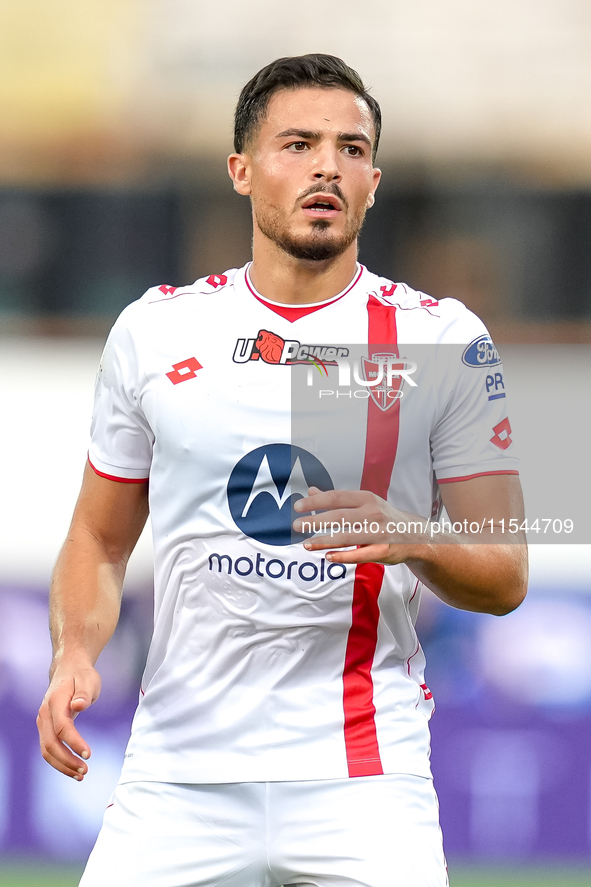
(325, 189)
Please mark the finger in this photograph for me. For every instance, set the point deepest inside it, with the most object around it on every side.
(336, 540)
(54, 749)
(341, 533)
(76, 770)
(87, 688)
(365, 554)
(344, 521)
(331, 499)
(59, 733)
(60, 740)
(70, 738)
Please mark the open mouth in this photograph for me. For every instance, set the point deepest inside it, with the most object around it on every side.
(322, 204)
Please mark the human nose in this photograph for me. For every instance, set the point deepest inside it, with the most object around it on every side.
(326, 164)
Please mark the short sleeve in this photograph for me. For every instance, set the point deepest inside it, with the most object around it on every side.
(473, 435)
(121, 438)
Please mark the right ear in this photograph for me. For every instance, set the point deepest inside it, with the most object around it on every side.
(239, 172)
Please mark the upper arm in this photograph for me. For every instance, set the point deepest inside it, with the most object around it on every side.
(113, 513)
(488, 505)
(491, 497)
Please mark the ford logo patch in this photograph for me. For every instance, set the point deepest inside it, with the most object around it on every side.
(481, 353)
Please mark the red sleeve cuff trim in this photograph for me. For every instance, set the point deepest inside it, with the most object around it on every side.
(453, 480)
(121, 480)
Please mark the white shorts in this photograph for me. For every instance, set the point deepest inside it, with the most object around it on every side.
(375, 831)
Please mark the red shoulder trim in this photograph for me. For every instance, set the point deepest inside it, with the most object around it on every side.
(121, 480)
(453, 480)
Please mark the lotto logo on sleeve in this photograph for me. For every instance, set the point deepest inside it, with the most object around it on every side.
(185, 369)
(264, 486)
(502, 437)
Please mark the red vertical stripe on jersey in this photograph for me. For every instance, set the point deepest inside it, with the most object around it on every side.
(361, 742)
(363, 753)
(382, 425)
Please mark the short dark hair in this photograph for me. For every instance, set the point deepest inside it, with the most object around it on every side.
(294, 72)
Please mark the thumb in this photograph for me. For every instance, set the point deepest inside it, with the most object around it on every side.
(78, 704)
(86, 691)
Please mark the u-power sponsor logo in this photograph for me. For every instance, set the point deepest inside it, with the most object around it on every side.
(271, 348)
(380, 377)
(276, 568)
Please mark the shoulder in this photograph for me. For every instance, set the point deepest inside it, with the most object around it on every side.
(164, 293)
(165, 299)
(447, 320)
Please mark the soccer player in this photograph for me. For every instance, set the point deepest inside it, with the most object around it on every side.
(282, 732)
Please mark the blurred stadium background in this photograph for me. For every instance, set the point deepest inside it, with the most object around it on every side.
(116, 120)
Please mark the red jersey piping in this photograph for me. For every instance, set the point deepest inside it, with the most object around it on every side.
(121, 480)
(453, 480)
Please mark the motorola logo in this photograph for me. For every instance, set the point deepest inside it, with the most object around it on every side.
(264, 486)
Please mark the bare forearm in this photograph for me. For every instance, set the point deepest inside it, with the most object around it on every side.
(84, 610)
(484, 578)
(486, 572)
(85, 598)
(480, 572)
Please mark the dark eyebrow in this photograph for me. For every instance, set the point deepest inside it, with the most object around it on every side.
(354, 137)
(315, 136)
(301, 133)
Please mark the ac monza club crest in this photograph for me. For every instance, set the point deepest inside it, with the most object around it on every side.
(384, 395)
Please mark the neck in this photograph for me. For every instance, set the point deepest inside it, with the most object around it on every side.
(278, 276)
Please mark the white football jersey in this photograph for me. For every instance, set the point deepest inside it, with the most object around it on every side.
(268, 662)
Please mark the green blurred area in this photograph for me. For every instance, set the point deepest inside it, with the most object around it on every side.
(460, 876)
(473, 876)
(40, 875)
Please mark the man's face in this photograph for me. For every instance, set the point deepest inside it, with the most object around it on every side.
(309, 171)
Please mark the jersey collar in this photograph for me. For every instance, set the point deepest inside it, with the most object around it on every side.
(295, 312)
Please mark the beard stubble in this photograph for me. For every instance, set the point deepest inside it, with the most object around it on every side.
(317, 245)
